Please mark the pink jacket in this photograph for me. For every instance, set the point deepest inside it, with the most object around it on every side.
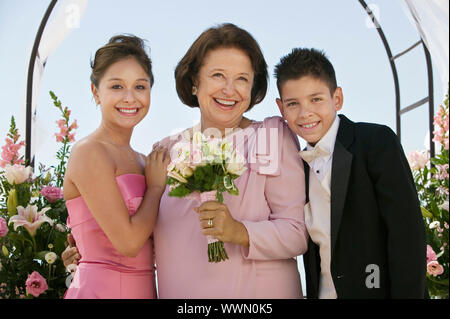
(270, 205)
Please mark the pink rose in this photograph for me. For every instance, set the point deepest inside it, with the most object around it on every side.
(431, 255)
(434, 268)
(52, 194)
(36, 284)
(3, 227)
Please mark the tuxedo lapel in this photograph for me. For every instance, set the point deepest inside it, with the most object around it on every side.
(340, 174)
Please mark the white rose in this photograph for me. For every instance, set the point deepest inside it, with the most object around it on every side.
(50, 257)
(71, 268)
(17, 174)
(445, 205)
(177, 176)
(434, 224)
(236, 164)
(60, 227)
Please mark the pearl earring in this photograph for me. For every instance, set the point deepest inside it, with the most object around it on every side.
(194, 90)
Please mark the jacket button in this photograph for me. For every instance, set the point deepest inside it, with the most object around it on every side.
(339, 276)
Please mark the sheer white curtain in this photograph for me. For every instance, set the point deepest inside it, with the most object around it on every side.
(431, 20)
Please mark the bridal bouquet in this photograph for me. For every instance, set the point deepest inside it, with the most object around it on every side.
(205, 169)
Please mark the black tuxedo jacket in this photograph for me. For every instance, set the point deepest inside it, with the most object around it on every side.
(378, 247)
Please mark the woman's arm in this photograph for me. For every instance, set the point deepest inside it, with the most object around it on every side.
(93, 173)
(284, 234)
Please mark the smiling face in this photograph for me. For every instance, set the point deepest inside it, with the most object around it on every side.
(123, 93)
(224, 84)
(308, 107)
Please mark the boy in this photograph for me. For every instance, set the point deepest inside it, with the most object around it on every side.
(367, 236)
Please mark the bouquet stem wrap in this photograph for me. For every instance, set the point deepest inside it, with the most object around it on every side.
(216, 249)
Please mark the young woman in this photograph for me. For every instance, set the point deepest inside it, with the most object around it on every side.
(112, 192)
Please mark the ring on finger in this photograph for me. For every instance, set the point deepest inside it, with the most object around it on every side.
(210, 223)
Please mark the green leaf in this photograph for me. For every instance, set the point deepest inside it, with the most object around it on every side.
(426, 213)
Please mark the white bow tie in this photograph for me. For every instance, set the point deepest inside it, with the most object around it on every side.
(311, 155)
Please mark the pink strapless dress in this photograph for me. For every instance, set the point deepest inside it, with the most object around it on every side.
(102, 272)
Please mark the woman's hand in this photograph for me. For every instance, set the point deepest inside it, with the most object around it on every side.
(156, 169)
(70, 255)
(222, 225)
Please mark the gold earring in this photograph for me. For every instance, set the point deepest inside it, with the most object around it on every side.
(194, 90)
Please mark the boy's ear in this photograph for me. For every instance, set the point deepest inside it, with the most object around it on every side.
(280, 107)
(338, 98)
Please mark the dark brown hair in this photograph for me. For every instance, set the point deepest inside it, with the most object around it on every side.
(120, 47)
(227, 36)
(305, 62)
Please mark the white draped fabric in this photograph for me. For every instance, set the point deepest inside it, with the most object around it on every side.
(64, 19)
(430, 17)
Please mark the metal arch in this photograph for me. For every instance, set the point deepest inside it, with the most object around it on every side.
(392, 58)
(429, 99)
(34, 53)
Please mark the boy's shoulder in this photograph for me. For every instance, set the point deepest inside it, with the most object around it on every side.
(369, 131)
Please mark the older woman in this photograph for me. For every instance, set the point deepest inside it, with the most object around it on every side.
(224, 74)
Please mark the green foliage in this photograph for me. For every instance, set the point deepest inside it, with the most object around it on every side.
(432, 184)
(26, 253)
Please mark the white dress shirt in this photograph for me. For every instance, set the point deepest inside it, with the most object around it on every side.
(318, 210)
(320, 166)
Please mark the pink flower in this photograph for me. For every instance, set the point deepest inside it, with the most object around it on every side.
(74, 125)
(417, 160)
(36, 284)
(52, 194)
(17, 174)
(437, 136)
(61, 123)
(3, 227)
(71, 138)
(30, 218)
(59, 137)
(437, 120)
(431, 255)
(434, 268)
(442, 172)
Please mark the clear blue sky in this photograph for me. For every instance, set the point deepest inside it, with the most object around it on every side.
(338, 27)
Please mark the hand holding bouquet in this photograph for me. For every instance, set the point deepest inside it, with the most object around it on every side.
(206, 167)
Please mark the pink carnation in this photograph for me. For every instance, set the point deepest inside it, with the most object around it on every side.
(52, 194)
(3, 227)
(431, 255)
(434, 268)
(36, 284)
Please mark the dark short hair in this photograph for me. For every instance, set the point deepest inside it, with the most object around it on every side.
(222, 36)
(120, 47)
(305, 62)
